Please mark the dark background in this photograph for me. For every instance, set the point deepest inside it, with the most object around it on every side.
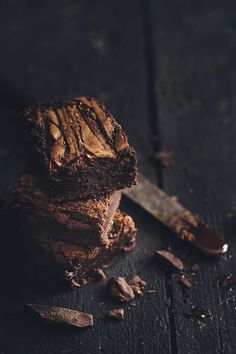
(166, 69)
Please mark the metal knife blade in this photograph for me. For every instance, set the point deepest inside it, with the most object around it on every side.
(176, 217)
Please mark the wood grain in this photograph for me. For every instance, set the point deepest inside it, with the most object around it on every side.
(194, 55)
(83, 48)
(162, 67)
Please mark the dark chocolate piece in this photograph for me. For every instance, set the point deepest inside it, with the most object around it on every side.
(83, 149)
(186, 280)
(120, 290)
(118, 314)
(200, 314)
(227, 281)
(79, 221)
(99, 274)
(170, 259)
(137, 284)
(195, 267)
(62, 316)
(163, 158)
(151, 291)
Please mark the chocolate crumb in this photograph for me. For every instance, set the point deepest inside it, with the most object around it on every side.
(195, 267)
(116, 313)
(62, 316)
(163, 158)
(137, 290)
(83, 281)
(200, 314)
(227, 281)
(73, 283)
(120, 290)
(99, 274)
(170, 259)
(137, 284)
(186, 280)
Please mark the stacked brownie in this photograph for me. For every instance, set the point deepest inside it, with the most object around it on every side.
(68, 197)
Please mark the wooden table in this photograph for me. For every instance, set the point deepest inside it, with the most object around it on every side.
(167, 70)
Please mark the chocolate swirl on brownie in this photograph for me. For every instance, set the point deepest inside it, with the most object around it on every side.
(79, 139)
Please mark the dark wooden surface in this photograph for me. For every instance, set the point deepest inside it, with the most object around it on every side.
(167, 69)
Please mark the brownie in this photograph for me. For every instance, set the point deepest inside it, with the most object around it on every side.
(81, 221)
(77, 264)
(82, 148)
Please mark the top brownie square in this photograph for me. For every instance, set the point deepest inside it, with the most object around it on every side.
(82, 147)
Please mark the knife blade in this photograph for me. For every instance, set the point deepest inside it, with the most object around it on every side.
(176, 217)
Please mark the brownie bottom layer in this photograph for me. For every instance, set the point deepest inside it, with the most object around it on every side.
(77, 264)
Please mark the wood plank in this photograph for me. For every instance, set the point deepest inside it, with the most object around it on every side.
(195, 61)
(85, 48)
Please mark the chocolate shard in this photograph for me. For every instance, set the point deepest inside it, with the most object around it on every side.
(99, 274)
(118, 314)
(83, 281)
(62, 316)
(120, 290)
(227, 281)
(163, 158)
(195, 267)
(170, 259)
(200, 313)
(186, 280)
(137, 284)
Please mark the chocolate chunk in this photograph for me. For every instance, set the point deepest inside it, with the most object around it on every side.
(83, 281)
(227, 281)
(137, 284)
(120, 289)
(186, 280)
(200, 314)
(62, 316)
(116, 313)
(99, 274)
(80, 143)
(163, 158)
(170, 259)
(195, 267)
(151, 291)
(136, 280)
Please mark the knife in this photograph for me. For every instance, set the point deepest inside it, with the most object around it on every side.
(176, 217)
